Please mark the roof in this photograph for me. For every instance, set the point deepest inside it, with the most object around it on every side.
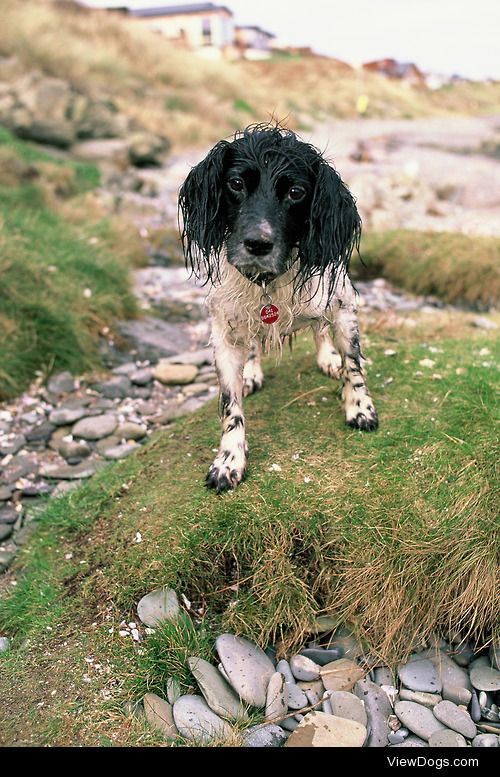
(173, 10)
(257, 29)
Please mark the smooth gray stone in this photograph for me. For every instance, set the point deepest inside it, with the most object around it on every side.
(247, 668)
(6, 530)
(448, 671)
(264, 735)
(6, 492)
(40, 433)
(494, 656)
(303, 668)
(173, 690)
(418, 719)
(61, 383)
(4, 644)
(284, 667)
(157, 606)
(347, 705)
(141, 377)
(114, 388)
(131, 431)
(8, 515)
(159, 714)
(64, 416)
(12, 445)
(447, 738)
(289, 724)
(397, 737)
(419, 674)
(6, 558)
(412, 741)
(484, 678)
(378, 710)
(219, 696)
(118, 452)
(73, 472)
(344, 641)
(475, 708)
(455, 718)
(276, 698)
(95, 428)
(486, 740)
(313, 689)
(383, 676)
(19, 467)
(322, 657)
(463, 654)
(479, 661)
(197, 722)
(457, 695)
(198, 358)
(297, 699)
(420, 697)
(125, 369)
(72, 449)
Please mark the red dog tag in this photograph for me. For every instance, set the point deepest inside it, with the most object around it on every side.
(269, 313)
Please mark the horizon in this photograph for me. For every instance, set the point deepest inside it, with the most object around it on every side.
(450, 37)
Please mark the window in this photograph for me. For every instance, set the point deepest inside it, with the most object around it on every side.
(206, 32)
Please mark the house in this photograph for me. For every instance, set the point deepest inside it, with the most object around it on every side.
(253, 42)
(391, 68)
(204, 27)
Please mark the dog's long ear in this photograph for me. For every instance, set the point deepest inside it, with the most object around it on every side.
(203, 219)
(334, 228)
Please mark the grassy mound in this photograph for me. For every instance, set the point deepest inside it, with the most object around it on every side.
(63, 268)
(456, 268)
(394, 533)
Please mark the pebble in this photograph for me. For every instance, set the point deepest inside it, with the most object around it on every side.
(64, 416)
(8, 514)
(95, 428)
(61, 383)
(447, 738)
(6, 530)
(119, 452)
(174, 374)
(383, 676)
(12, 445)
(117, 387)
(284, 667)
(396, 737)
(322, 657)
(141, 377)
(485, 678)
(486, 740)
(455, 718)
(457, 695)
(426, 699)
(264, 735)
(6, 558)
(303, 668)
(313, 690)
(412, 741)
(419, 674)
(494, 656)
(157, 606)
(173, 690)
(341, 675)
(131, 431)
(40, 433)
(4, 644)
(345, 642)
(247, 667)
(378, 710)
(197, 722)
(296, 697)
(72, 472)
(347, 705)
(74, 451)
(6, 492)
(218, 694)
(418, 719)
(318, 729)
(276, 698)
(289, 724)
(448, 671)
(160, 715)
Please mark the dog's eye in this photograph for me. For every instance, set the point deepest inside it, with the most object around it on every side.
(236, 184)
(296, 193)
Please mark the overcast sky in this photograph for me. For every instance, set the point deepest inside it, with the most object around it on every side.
(444, 36)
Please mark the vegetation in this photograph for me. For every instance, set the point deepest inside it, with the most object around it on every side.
(63, 267)
(394, 533)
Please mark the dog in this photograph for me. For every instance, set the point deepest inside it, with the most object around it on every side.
(269, 224)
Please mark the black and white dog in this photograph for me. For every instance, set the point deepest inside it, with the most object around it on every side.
(271, 227)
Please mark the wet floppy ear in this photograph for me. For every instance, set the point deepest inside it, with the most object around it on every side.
(203, 218)
(334, 225)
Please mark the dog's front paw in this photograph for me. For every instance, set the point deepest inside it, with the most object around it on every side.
(362, 415)
(224, 475)
(251, 384)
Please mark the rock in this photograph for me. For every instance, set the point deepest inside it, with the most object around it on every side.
(289, 724)
(475, 707)
(347, 705)
(463, 654)
(4, 644)
(313, 690)
(486, 740)
(174, 374)
(40, 433)
(6, 558)
(74, 451)
(131, 431)
(297, 699)
(141, 377)
(160, 715)
(198, 358)
(412, 741)
(340, 675)
(247, 668)
(485, 678)
(419, 674)
(63, 487)
(61, 383)
(8, 514)
(399, 736)
(6, 492)
(420, 697)
(19, 467)
(117, 387)
(456, 694)
(6, 530)
(125, 369)
(448, 671)
(284, 667)
(484, 323)
(197, 722)
(344, 641)
(276, 698)
(98, 119)
(264, 735)
(72, 472)
(418, 719)
(121, 451)
(455, 718)
(147, 150)
(173, 690)
(152, 338)
(219, 696)
(303, 668)
(107, 443)
(446, 738)
(12, 444)
(318, 729)
(378, 710)
(157, 606)
(64, 416)
(95, 428)
(322, 657)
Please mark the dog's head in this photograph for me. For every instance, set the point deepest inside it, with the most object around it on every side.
(271, 199)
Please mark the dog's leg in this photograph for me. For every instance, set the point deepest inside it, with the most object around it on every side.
(358, 405)
(228, 467)
(328, 359)
(253, 377)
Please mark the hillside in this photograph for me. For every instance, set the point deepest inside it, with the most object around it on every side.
(167, 91)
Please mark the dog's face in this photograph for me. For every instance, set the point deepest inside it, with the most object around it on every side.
(261, 196)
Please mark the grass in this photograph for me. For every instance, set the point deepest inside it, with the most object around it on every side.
(150, 78)
(456, 268)
(63, 266)
(394, 533)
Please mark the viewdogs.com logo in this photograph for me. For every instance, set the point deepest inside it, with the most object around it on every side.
(437, 763)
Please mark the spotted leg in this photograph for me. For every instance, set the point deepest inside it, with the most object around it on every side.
(359, 410)
(253, 377)
(228, 467)
(327, 357)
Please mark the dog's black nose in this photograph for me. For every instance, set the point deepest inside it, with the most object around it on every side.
(258, 247)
